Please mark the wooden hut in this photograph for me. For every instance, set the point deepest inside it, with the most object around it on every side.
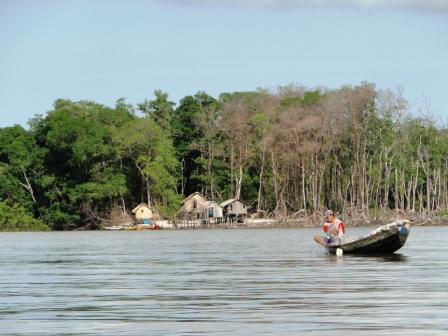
(214, 213)
(193, 207)
(143, 213)
(234, 210)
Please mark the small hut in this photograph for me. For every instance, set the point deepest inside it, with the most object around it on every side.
(143, 214)
(193, 207)
(214, 213)
(234, 210)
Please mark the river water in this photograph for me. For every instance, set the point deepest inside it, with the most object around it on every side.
(218, 282)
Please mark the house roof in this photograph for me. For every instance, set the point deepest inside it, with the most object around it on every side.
(226, 203)
(139, 206)
(229, 201)
(211, 203)
(192, 195)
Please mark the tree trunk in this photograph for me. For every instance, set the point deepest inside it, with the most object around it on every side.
(28, 186)
(303, 184)
(261, 177)
(148, 196)
(239, 180)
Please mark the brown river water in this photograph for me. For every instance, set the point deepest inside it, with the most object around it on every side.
(219, 282)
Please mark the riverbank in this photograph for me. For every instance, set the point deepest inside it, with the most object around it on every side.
(353, 220)
(303, 221)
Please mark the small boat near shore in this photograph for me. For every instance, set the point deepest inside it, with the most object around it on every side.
(132, 227)
(114, 228)
(385, 239)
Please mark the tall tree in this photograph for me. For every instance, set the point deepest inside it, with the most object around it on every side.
(160, 109)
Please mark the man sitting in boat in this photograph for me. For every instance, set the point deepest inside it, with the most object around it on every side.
(333, 227)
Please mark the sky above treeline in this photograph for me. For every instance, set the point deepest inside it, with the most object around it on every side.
(103, 50)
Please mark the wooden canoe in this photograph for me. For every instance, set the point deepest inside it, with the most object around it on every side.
(385, 239)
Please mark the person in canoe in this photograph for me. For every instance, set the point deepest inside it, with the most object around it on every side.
(333, 227)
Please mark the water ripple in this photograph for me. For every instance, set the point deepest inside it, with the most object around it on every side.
(218, 282)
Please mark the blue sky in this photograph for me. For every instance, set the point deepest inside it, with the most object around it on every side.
(102, 50)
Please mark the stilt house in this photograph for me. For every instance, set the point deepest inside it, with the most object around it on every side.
(215, 213)
(194, 206)
(234, 210)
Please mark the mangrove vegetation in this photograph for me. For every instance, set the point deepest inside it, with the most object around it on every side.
(289, 151)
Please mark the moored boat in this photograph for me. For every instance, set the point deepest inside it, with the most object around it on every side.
(132, 227)
(114, 228)
(148, 227)
(385, 239)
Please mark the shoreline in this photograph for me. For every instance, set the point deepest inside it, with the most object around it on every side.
(315, 221)
(311, 221)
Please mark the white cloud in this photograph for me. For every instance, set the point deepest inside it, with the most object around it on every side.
(415, 5)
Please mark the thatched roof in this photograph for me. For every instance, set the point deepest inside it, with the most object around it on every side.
(192, 195)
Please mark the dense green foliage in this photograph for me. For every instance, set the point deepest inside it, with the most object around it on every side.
(353, 148)
(17, 218)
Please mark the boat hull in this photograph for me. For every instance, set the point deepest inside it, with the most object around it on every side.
(386, 239)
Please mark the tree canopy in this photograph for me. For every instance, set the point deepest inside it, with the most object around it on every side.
(283, 151)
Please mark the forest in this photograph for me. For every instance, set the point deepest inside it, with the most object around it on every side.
(285, 151)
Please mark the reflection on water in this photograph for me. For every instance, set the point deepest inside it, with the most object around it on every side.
(218, 282)
(394, 257)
